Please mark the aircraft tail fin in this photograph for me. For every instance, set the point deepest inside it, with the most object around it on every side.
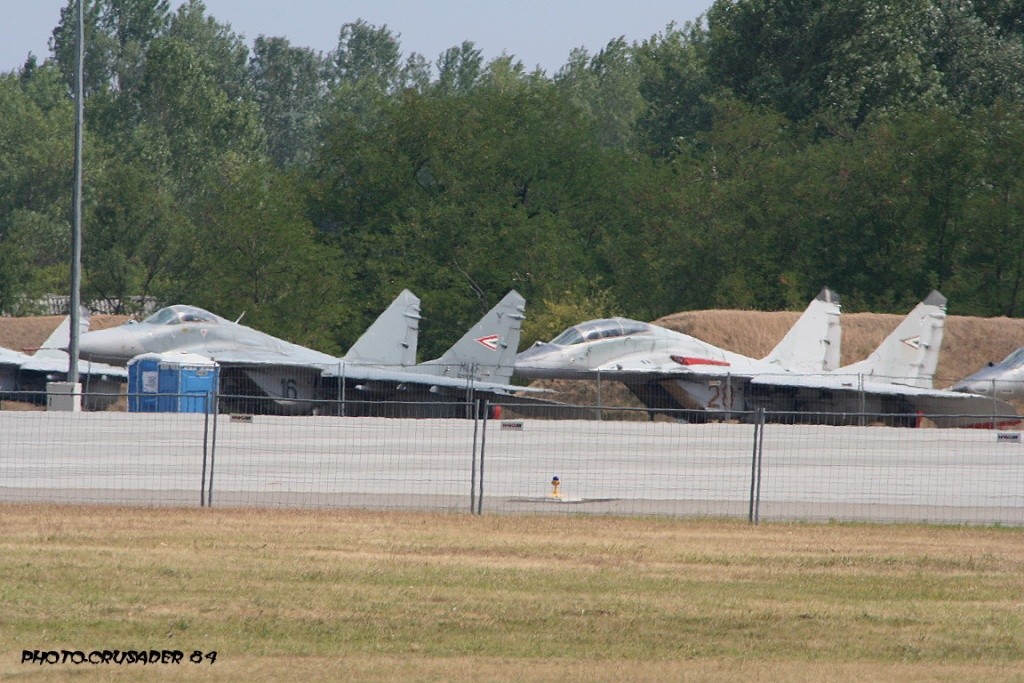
(911, 353)
(57, 343)
(391, 340)
(812, 345)
(487, 351)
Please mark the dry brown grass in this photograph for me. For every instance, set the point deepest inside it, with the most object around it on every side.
(294, 595)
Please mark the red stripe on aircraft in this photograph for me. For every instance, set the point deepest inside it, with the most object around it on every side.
(693, 360)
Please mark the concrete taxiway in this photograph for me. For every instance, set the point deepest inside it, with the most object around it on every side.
(604, 467)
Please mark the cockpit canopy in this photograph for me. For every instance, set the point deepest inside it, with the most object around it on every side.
(176, 315)
(600, 329)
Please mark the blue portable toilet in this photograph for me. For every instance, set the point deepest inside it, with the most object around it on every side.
(172, 382)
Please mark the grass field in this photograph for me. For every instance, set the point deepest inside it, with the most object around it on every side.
(369, 596)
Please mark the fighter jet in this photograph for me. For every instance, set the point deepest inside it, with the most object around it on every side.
(24, 376)
(670, 371)
(1004, 379)
(380, 366)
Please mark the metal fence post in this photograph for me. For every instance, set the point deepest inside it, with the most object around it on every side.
(995, 404)
(483, 449)
(862, 420)
(213, 447)
(341, 387)
(753, 468)
(206, 439)
(472, 474)
(727, 399)
(760, 462)
(753, 515)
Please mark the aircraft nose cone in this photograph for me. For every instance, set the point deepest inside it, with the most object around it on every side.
(991, 386)
(982, 388)
(113, 346)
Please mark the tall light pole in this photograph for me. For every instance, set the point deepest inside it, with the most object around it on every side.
(76, 201)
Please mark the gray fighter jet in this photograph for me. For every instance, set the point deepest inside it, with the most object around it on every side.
(1004, 379)
(24, 376)
(669, 371)
(379, 368)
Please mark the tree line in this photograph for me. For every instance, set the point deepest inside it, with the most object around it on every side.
(743, 160)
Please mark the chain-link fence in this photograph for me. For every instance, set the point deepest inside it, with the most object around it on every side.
(518, 458)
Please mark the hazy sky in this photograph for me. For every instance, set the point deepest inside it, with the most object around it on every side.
(538, 32)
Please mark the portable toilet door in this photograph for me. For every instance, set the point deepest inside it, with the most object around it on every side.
(144, 383)
(186, 383)
(197, 384)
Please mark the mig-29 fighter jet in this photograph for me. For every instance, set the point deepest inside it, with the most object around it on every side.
(380, 366)
(670, 371)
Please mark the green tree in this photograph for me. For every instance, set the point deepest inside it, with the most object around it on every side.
(738, 190)
(368, 55)
(607, 87)
(117, 35)
(1005, 15)
(252, 251)
(676, 89)
(845, 61)
(462, 198)
(508, 74)
(131, 234)
(187, 118)
(35, 253)
(459, 69)
(768, 52)
(289, 88)
(35, 184)
(224, 54)
(989, 278)
(362, 72)
(979, 62)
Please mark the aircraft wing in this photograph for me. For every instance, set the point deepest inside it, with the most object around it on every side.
(253, 356)
(925, 400)
(941, 405)
(359, 372)
(10, 362)
(48, 360)
(852, 383)
(653, 368)
(11, 357)
(370, 373)
(52, 363)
